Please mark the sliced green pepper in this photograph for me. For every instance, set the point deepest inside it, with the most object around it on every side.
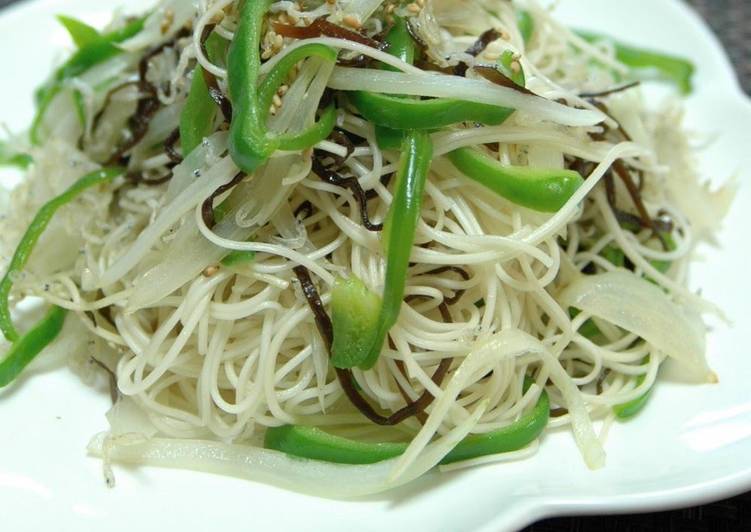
(400, 43)
(398, 238)
(526, 24)
(395, 112)
(28, 346)
(197, 117)
(509, 65)
(9, 157)
(354, 312)
(250, 143)
(81, 33)
(95, 51)
(316, 444)
(237, 258)
(31, 237)
(399, 113)
(630, 409)
(676, 69)
(545, 190)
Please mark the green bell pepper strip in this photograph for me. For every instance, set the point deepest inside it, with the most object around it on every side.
(545, 190)
(400, 43)
(238, 258)
(506, 66)
(526, 24)
(630, 409)
(28, 346)
(81, 33)
(9, 157)
(80, 106)
(93, 53)
(398, 234)
(197, 117)
(31, 237)
(315, 444)
(355, 312)
(311, 136)
(399, 113)
(250, 143)
(676, 69)
(389, 139)
(395, 112)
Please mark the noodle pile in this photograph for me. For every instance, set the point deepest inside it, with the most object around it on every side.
(207, 356)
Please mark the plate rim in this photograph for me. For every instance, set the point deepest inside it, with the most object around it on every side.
(535, 508)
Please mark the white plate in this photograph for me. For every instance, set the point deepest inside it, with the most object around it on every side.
(691, 445)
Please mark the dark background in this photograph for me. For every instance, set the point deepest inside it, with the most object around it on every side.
(731, 21)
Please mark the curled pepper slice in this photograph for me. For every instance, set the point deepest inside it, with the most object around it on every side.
(34, 231)
(316, 444)
(250, 142)
(398, 238)
(540, 189)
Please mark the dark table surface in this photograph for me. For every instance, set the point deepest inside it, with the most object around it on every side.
(731, 20)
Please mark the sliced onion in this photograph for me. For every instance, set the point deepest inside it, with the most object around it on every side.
(441, 86)
(640, 307)
(196, 164)
(190, 253)
(253, 463)
(197, 192)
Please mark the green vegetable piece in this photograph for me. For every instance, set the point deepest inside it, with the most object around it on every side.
(389, 139)
(675, 69)
(398, 238)
(526, 24)
(355, 312)
(197, 117)
(250, 144)
(628, 410)
(238, 258)
(663, 266)
(614, 255)
(311, 136)
(34, 231)
(509, 65)
(81, 33)
(95, 52)
(545, 190)
(513, 437)
(588, 329)
(9, 157)
(315, 444)
(199, 113)
(28, 346)
(80, 106)
(399, 113)
(400, 43)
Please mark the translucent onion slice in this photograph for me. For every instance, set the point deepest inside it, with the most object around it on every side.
(253, 463)
(439, 86)
(640, 307)
(195, 193)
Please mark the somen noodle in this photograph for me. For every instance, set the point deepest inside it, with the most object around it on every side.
(380, 236)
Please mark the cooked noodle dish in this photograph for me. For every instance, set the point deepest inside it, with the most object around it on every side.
(333, 245)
